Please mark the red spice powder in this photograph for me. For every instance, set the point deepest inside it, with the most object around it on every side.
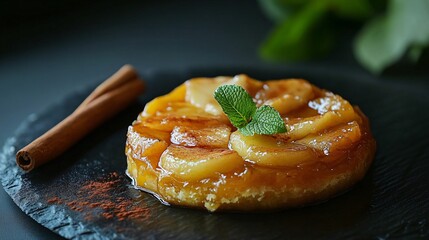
(98, 195)
(55, 200)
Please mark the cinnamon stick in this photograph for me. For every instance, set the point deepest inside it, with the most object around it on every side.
(124, 75)
(105, 101)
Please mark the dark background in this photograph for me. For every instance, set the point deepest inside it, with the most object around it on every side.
(49, 49)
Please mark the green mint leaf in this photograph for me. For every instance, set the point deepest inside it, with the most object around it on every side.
(266, 120)
(236, 103)
(243, 114)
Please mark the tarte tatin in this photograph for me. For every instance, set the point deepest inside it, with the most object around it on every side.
(183, 149)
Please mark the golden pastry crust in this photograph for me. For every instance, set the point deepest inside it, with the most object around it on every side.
(183, 148)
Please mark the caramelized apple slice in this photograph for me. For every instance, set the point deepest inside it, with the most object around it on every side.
(285, 96)
(268, 151)
(331, 102)
(182, 114)
(337, 139)
(334, 111)
(192, 164)
(146, 144)
(286, 103)
(168, 123)
(249, 84)
(215, 137)
(199, 92)
(162, 102)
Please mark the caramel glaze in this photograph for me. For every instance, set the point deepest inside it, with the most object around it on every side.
(305, 183)
(351, 163)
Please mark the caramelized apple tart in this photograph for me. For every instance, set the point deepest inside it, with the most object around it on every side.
(183, 149)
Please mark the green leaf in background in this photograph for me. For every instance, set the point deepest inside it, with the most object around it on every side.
(276, 10)
(386, 39)
(279, 10)
(415, 52)
(372, 49)
(301, 36)
(306, 29)
(266, 120)
(352, 9)
(236, 103)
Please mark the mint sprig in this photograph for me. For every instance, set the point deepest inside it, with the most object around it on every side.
(236, 103)
(266, 120)
(243, 113)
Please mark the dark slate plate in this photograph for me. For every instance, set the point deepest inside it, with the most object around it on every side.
(391, 201)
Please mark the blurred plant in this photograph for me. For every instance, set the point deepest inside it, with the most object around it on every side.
(305, 29)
